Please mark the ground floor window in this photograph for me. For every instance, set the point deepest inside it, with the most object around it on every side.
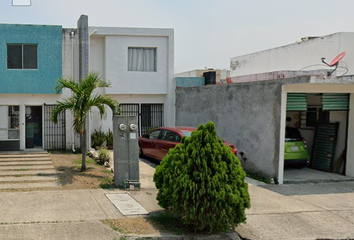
(14, 122)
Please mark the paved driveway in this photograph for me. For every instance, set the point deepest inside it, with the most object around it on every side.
(300, 211)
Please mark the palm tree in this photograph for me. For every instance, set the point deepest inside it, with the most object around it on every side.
(81, 102)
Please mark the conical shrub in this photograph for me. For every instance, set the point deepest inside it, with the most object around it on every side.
(202, 182)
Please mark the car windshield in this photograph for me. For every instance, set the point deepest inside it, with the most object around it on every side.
(292, 134)
(187, 134)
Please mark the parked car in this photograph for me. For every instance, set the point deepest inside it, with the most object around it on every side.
(158, 142)
(295, 149)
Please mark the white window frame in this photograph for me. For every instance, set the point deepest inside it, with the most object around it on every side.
(132, 68)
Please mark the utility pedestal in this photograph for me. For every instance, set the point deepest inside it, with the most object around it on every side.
(126, 154)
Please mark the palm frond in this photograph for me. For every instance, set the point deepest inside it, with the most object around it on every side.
(60, 107)
(66, 83)
(82, 99)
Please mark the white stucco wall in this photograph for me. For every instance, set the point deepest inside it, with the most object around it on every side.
(304, 55)
(24, 100)
(105, 124)
(109, 56)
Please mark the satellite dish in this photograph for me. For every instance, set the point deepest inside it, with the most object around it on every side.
(334, 62)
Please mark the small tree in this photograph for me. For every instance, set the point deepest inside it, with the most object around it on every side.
(202, 182)
(81, 102)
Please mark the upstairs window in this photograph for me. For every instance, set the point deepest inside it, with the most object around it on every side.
(142, 59)
(21, 56)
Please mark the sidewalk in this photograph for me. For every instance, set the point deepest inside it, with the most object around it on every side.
(74, 214)
(300, 211)
(297, 211)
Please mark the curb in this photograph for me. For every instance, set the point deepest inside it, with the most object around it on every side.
(221, 236)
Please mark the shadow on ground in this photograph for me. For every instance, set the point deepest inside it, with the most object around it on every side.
(67, 175)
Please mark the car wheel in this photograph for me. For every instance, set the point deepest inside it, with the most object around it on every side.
(141, 154)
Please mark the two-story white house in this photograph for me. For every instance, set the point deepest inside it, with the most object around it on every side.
(139, 64)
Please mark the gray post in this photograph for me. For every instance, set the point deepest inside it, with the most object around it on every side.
(82, 26)
(125, 145)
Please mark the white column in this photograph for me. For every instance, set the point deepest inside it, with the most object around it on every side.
(282, 135)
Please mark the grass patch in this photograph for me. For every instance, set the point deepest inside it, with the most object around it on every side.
(18, 176)
(21, 169)
(106, 171)
(107, 183)
(88, 161)
(166, 221)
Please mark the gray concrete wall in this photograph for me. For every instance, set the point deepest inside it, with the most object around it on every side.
(245, 114)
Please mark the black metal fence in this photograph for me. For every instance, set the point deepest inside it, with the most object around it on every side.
(54, 134)
(149, 115)
(131, 110)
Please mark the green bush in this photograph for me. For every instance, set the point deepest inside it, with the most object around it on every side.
(109, 138)
(103, 155)
(97, 138)
(202, 182)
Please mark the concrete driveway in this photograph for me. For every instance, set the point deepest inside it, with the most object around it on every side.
(300, 211)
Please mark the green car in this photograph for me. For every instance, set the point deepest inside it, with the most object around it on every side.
(295, 149)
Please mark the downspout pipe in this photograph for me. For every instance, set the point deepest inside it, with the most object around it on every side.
(72, 36)
(88, 128)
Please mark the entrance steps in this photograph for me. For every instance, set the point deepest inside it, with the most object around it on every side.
(27, 170)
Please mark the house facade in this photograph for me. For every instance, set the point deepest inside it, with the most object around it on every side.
(31, 63)
(324, 102)
(303, 55)
(220, 74)
(137, 62)
(277, 88)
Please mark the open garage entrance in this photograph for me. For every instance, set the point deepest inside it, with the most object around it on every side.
(315, 128)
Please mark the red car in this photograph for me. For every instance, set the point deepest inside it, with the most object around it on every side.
(158, 142)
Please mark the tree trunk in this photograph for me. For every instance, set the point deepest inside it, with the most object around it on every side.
(83, 150)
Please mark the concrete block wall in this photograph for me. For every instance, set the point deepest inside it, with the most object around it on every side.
(245, 114)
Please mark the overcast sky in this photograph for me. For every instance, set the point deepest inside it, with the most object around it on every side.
(207, 33)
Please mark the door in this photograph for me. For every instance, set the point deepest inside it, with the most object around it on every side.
(130, 109)
(324, 146)
(33, 126)
(151, 117)
(54, 134)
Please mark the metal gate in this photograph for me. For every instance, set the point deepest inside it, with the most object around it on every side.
(54, 134)
(130, 110)
(324, 146)
(149, 115)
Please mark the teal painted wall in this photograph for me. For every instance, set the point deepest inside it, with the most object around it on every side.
(190, 81)
(43, 79)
